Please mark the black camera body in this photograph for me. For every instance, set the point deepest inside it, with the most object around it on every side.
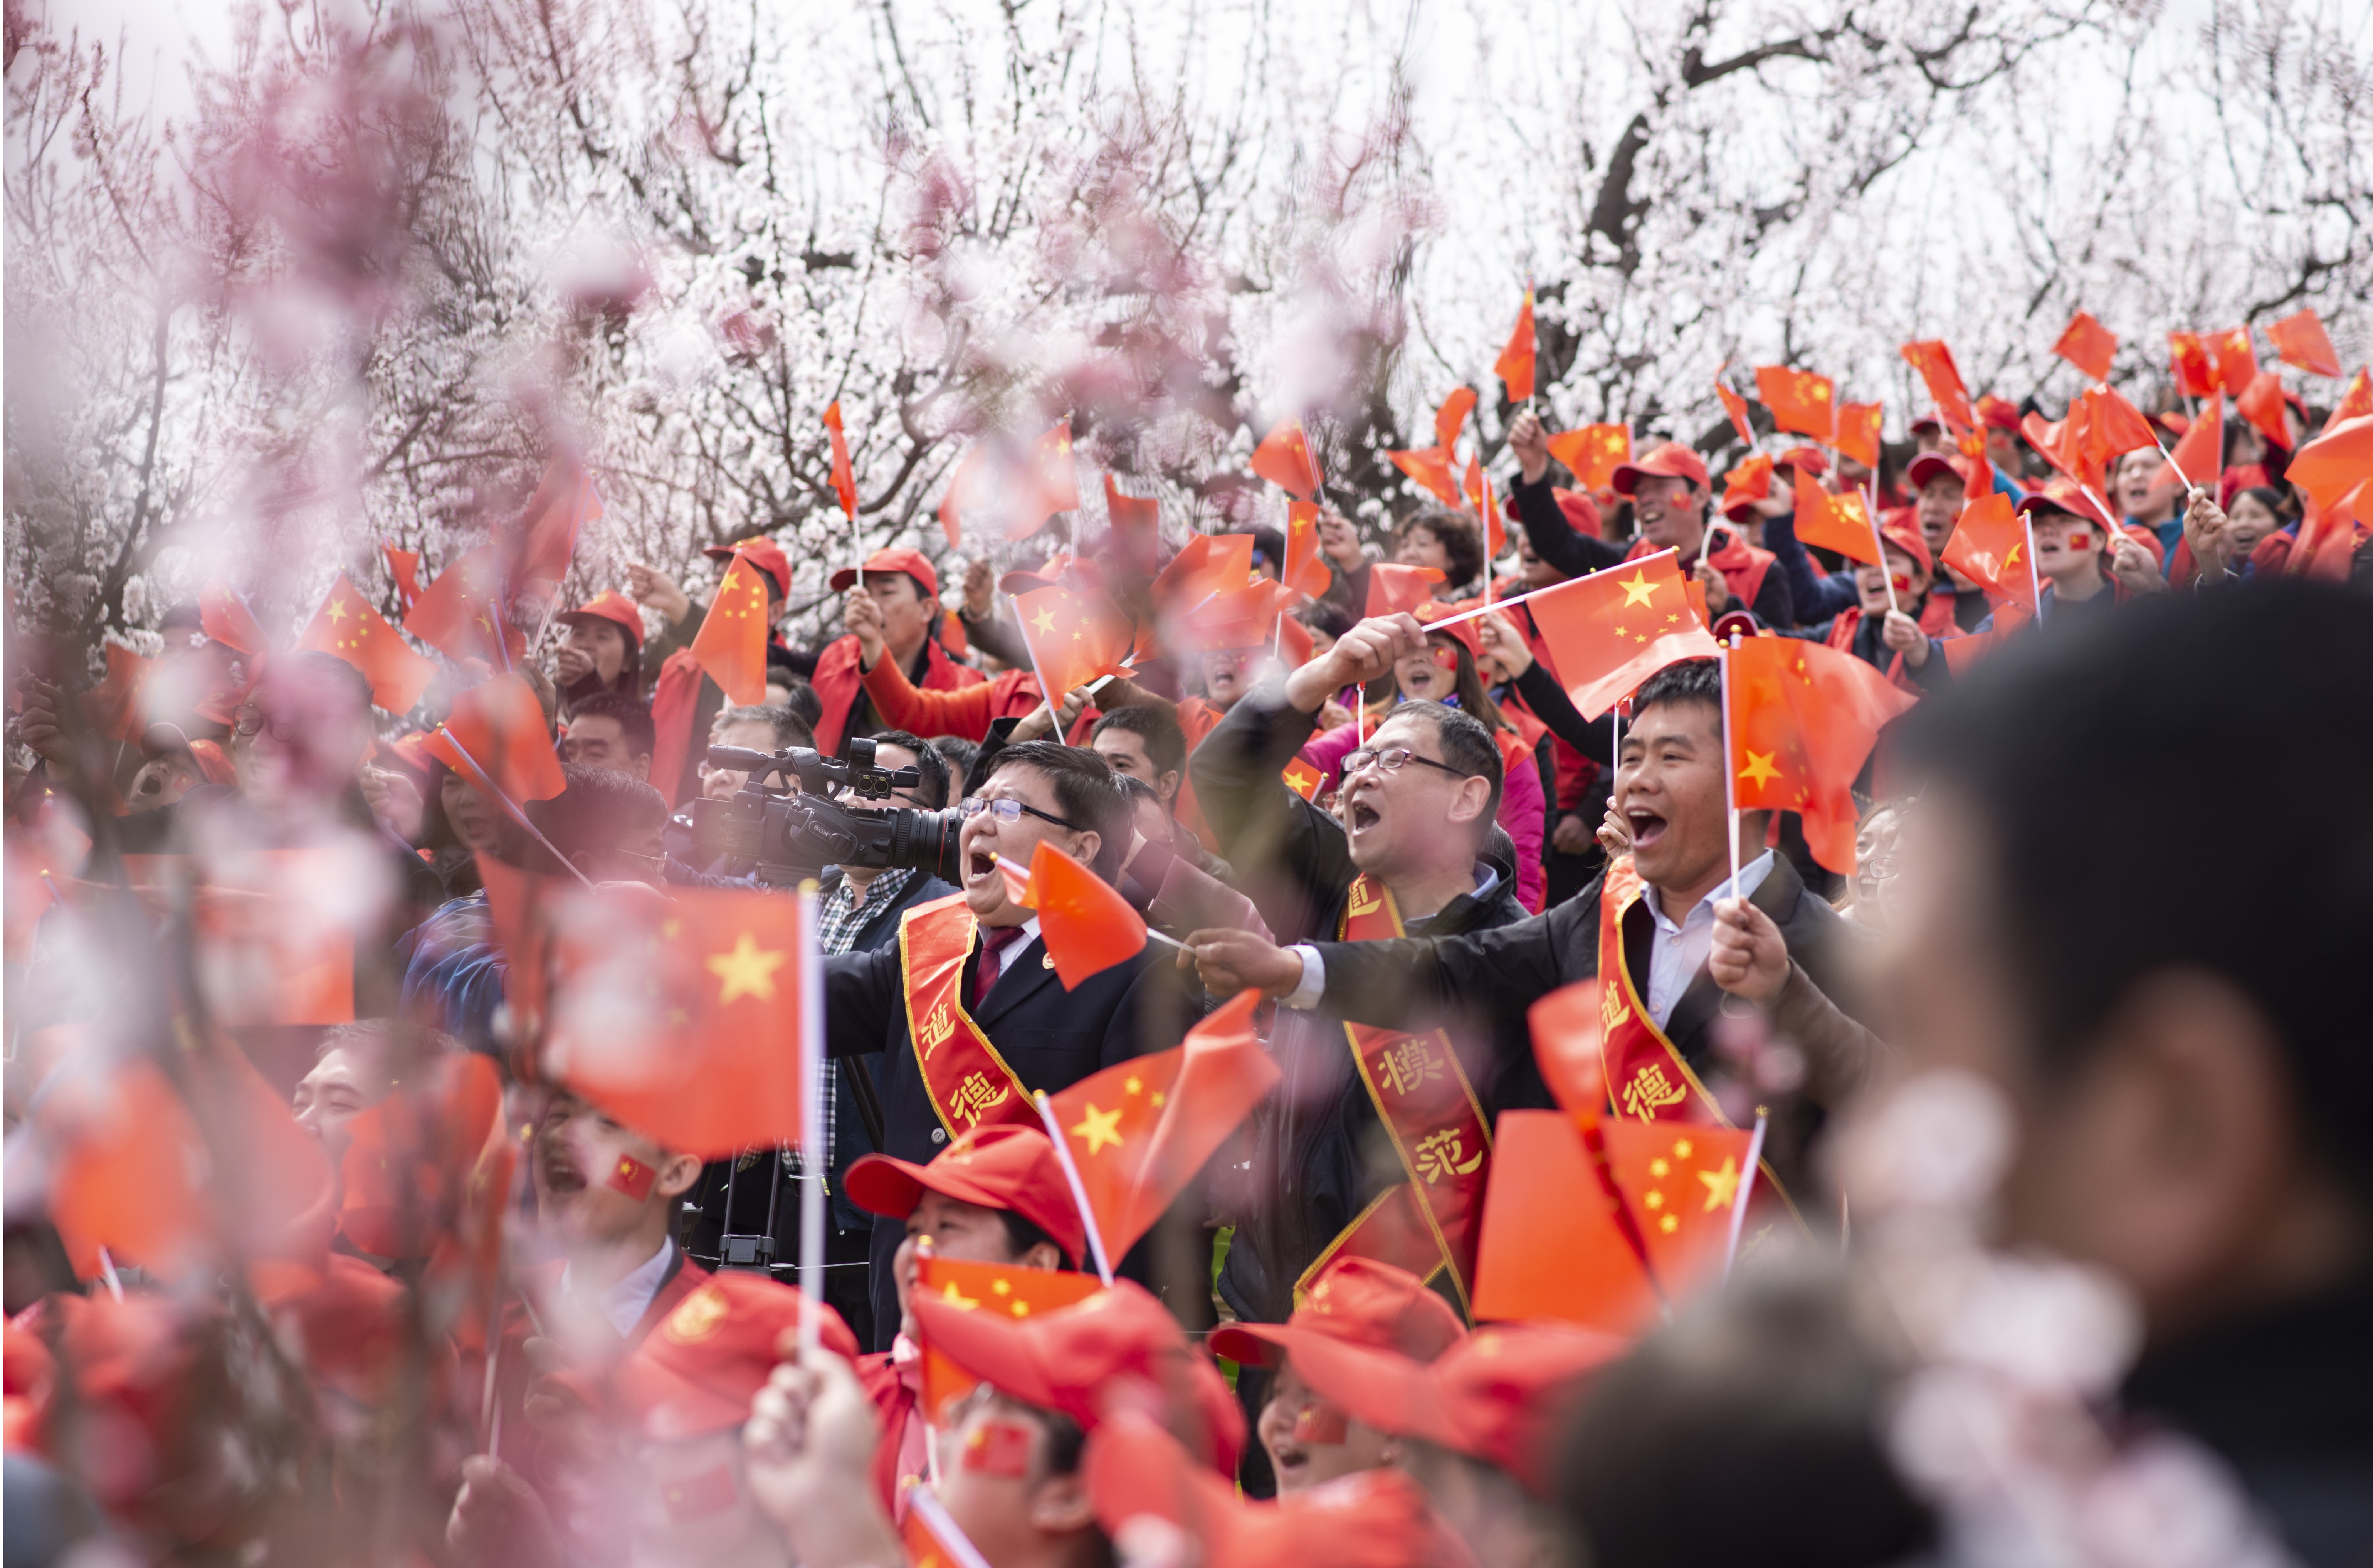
(792, 830)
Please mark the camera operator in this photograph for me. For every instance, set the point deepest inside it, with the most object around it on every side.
(964, 1007)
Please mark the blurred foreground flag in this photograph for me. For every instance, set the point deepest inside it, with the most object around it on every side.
(346, 627)
(1803, 719)
(1088, 926)
(1607, 632)
(1515, 363)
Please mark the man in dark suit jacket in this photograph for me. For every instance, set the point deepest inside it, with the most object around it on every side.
(1050, 1038)
(1686, 941)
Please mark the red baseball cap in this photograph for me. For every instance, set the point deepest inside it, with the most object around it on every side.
(764, 554)
(1669, 461)
(1998, 413)
(1925, 422)
(1360, 1303)
(1936, 465)
(901, 559)
(1497, 1395)
(617, 608)
(1119, 1350)
(1812, 459)
(996, 1167)
(698, 1370)
(1581, 511)
(1899, 529)
(2060, 494)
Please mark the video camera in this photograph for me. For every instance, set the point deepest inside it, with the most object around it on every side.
(795, 829)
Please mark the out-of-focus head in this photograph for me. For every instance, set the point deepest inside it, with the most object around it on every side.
(1227, 674)
(1443, 540)
(301, 736)
(605, 823)
(357, 1066)
(609, 730)
(2177, 1035)
(600, 1183)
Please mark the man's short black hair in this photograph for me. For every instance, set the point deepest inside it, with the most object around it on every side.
(801, 697)
(1021, 1233)
(1465, 745)
(2092, 753)
(634, 719)
(593, 816)
(1268, 548)
(1165, 743)
(959, 754)
(1084, 794)
(1686, 680)
(789, 729)
(927, 762)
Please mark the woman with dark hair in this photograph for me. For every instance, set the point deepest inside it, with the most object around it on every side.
(2220, 543)
(1446, 541)
(603, 652)
(1443, 671)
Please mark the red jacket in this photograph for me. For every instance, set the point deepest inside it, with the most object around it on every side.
(839, 682)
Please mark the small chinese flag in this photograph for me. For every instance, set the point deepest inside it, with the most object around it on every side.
(2116, 426)
(536, 550)
(1593, 453)
(1839, 523)
(2199, 457)
(1450, 419)
(2300, 340)
(1075, 637)
(1858, 427)
(1682, 1184)
(1005, 1288)
(224, 617)
(1393, 588)
(1552, 1246)
(731, 644)
(1088, 926)
(2067, 444)
(496, 735)
(844, 477)
(1295, 646)
(2087, 345)
(1134, 519)
(1803, 719)
(1283, 459)
(1607, 632)
(1305, 570)
(123, 1153)
(967, 487)
(1478, 490)
(1429, 466)
(404, 566)
(346, 627)
(1750, 481)
(1140, 1130)
(2261, 403)
(1205, 565)
(1052, 484)
(1979, 480)
(1302, 776)
(678, 1017)
(632, 1178)
(1565, 1029)
(1236, 618)
(458, 613)
(2195, 373)
(1514, 365)
(1798, 400)
(1735, 407)
(1945, 390)
(2355, 403)
(2330, 467)
(1989, 547)
(2236, 361)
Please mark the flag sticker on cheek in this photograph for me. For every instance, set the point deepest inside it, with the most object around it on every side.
(998, 1448)
(1321, 1423)
(2079, 540)
(632, 1177)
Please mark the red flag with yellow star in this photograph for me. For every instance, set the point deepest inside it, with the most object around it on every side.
(1450, 419)
(1052, 484)
(844, 477)
(2199, 457)
(1006, 1287)
(1798, 400)
(1748, 483)
(225, 619)
(1945, 390)
(1552, 1243)
(1305, 570)
(1429, 466)
(459, 614)
(1283, 459)
(2260, 402)
(346, 627)
(1839, 523)
(731, 644)
(1087, 925)
(1735, 407)
(677, 1016)
(1515, 365)
(2195, 373)
(1989, 547)
(1140, 1130)
(496, 735)
(1074, 637)
(2087, 345)
(2237, 361)
(2300, 340)
(1302, 776)
(1393, 588)
(1607, 632)
(1681, 1183)
(1803, 719)
(1593, 452)
(2356, 402)
(1857, 438)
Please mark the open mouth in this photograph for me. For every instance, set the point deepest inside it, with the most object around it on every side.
(980, 866)
(561, 1177)
(1287, 1458)
(1646, 826)
(1365, 816)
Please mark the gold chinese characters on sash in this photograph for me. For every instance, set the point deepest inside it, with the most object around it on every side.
(1427, 1222)
(969, 1084)
(1646, 1078)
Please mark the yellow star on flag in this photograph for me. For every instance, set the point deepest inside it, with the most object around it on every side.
(1638, 590)
(1759, 769)
(1721, 1185)
(745, 971)
(337, 609)
(1099, 1127)
(1044, 620)
(955, 1297)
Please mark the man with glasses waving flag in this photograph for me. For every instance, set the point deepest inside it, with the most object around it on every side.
(1413, 850)
(965, 1009)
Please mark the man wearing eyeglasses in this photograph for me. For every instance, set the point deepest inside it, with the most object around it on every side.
(1407, 854)
(964, 1007)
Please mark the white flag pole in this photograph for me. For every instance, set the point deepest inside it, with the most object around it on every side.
(812, 1154)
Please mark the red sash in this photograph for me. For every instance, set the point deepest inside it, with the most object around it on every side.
(1428, 1221)
(969, 1084)
(1646, 1078)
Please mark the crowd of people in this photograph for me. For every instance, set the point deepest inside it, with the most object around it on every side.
(2056, 1237)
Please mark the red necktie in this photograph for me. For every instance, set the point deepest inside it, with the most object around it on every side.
(993, 945)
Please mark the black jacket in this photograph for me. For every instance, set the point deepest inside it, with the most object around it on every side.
(1555, 539)
(1318, 1156)
(1495, 976)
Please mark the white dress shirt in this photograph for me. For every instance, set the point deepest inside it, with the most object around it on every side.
(1314, 968)
(624, 1302)
(1679, 952)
